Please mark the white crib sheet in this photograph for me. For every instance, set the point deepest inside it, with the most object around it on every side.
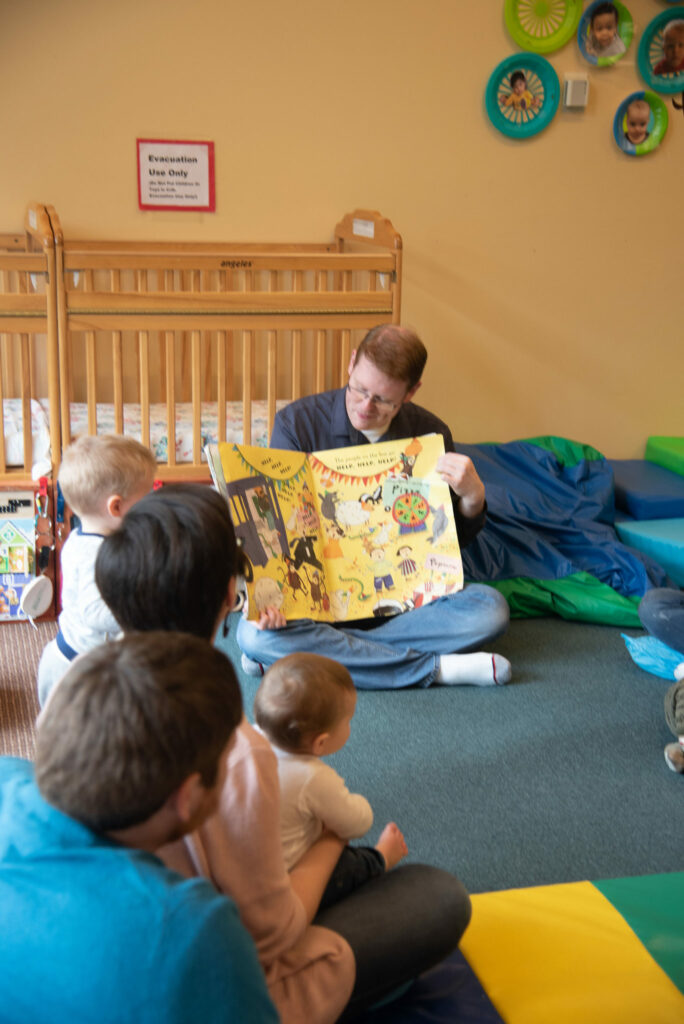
(14, 434)
(14, 448)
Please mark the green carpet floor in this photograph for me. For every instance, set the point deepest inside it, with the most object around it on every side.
(559, 776)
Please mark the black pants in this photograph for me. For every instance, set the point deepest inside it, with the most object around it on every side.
(357, 864)
(398, 926)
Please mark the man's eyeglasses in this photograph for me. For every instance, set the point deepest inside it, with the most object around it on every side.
(361, 395)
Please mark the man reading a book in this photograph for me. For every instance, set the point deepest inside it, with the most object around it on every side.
(439, 642)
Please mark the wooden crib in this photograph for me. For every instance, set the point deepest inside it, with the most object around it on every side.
(177, 344)
(206, 341)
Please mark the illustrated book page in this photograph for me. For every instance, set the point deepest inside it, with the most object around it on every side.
(344, 534)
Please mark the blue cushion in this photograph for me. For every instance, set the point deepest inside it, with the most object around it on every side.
(646, 490)
(662, 539)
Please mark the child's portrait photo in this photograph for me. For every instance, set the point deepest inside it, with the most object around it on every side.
(521, 95)
(605, 32)
(670, 44)
(640, 123)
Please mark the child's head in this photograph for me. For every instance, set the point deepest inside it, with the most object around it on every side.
(518, 82)
(130, 722)
(673, 44)
(104, 475)
(305, 704)
(637, 117)
(172, 562)
(604, 24)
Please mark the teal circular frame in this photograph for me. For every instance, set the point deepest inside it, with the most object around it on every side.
(523, 117)
(542, 26)
(658, 122)
(650, 49)
(625, 32)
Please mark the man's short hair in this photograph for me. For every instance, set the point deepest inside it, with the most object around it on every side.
(169, 564)
(94, 468)
(301, 696)
(397, 352)
(130, 721)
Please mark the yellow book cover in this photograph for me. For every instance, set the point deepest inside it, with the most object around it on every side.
(344, 534)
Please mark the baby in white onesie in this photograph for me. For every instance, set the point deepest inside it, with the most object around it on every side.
(304, 707)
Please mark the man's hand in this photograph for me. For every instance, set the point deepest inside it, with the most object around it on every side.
(271, 618)
(460, 473)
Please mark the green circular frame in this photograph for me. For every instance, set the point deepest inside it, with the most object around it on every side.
(548, 78)
(660, 122)
(542, 26)
(625, 31)
(668, 84)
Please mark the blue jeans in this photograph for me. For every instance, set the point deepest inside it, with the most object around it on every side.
(661, 611)
(400, 651)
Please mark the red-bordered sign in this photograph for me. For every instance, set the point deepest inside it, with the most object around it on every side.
(176, 175)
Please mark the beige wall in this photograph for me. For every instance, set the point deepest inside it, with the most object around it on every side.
(542, 274)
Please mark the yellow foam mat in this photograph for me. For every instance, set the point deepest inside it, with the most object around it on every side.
(563, 954)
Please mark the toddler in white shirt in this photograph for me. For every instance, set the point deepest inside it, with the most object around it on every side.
(304, 707)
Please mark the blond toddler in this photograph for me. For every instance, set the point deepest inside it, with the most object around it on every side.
(101, 477)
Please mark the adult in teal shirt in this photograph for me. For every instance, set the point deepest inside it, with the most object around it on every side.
(131, 752)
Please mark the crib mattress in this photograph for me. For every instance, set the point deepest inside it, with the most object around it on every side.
(132, 426)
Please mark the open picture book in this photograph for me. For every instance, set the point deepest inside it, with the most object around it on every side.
(345, 534)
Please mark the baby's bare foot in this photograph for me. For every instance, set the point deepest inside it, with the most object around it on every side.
(391, 845)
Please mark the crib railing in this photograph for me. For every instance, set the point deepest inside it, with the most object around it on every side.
(28, 334)
(155, 322)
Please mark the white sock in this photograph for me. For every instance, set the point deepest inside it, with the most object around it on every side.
(478, 669)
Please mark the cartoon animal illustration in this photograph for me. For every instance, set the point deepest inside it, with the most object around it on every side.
(407, 464)
(372, 499)
(268, 593)
(363, 596)
(292, 578)
(351, 513)
(329, 500)
(317, 591)
(333, 549)
(439, 524)
(302, 549)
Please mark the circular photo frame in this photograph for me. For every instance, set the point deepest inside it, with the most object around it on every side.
(542, 26)
(640, 123)
(522, 95)
(605, 33)
(660, 56)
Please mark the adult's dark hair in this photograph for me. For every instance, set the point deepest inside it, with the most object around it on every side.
(397, 352)
(130, 721)
(169, 563)
(604, 8)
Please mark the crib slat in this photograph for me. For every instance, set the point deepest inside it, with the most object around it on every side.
(195, 342)
(144, 370)
(170, 399)
(3, 342)
(91, 366)
(319, 380)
